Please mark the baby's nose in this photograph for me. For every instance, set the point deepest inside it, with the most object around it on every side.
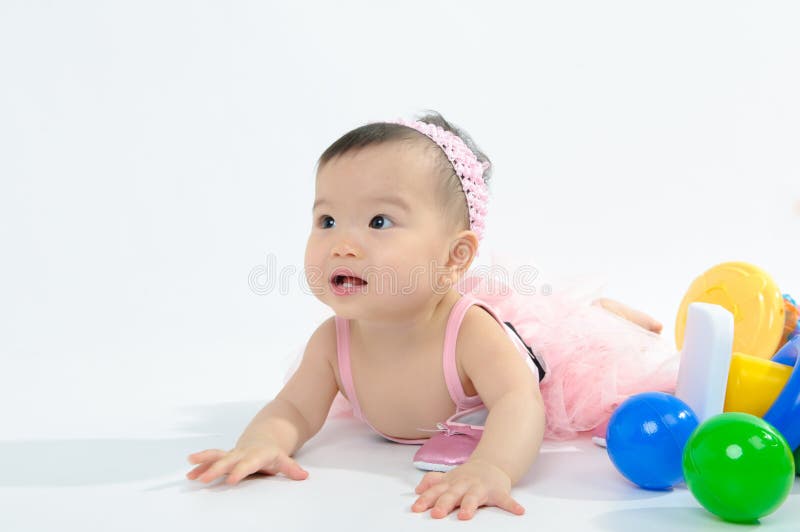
(345, 248)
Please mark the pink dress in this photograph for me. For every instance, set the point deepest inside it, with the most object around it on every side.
(594, 358)
(460, 399)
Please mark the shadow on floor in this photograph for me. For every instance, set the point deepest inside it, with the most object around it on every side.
(342, 444)
(571, 470)
(91, 461)
(666, 519)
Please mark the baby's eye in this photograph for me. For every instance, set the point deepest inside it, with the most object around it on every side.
(326, 222)
(380, 222)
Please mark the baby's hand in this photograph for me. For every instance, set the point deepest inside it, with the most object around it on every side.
(639, 318)
(469, 486)
(241, 462)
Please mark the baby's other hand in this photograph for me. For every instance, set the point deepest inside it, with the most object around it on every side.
(241, 462)
(639, 318)
(469, 486)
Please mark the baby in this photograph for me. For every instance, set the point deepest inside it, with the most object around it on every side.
(398, 215)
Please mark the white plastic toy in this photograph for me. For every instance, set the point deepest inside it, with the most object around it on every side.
(705, 359)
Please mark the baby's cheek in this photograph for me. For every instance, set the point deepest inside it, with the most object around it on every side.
(313, 272)
(419, 279)
(408, 278)
(313, 252)
(312, 269)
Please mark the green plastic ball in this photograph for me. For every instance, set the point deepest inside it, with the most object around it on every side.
(797, 461)
(738, 466)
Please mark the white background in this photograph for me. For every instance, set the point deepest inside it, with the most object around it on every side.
(152, 154)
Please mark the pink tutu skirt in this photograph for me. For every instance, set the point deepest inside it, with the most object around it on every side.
(595, 359)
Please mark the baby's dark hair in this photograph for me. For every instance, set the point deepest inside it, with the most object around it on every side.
(454, 200)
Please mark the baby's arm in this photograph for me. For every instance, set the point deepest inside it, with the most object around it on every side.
(284, 424)
(514, 427)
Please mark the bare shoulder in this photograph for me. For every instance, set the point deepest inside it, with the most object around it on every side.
(481, 335)
(319, 356)
(489, 358)
(322, 344)
(313, 385)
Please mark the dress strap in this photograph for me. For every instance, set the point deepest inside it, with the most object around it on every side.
(541, 367)
(451, 377)
(343, 355)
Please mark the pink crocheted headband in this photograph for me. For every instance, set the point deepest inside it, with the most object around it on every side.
(467, 166)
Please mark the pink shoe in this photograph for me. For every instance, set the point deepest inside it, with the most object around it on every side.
(454, 444)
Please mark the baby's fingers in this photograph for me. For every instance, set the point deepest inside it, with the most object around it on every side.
(473, 500)
(506, 502)
(430, 479)
(284, 464)
(209, 455)
(199, 470)
(242, 469)
(427, 499)
(220, 467)
(281, 463)
(449, 500)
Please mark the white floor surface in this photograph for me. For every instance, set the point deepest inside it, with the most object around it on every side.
(90, 442)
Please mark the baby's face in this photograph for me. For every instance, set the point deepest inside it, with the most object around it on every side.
(377, 217)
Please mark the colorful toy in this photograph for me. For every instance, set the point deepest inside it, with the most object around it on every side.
(785, 411)
(754, 384)
(753, 298)
(797, 461)
(645, 439)
(792, 322)
(789, 353)
(705, 359)
(738, 467)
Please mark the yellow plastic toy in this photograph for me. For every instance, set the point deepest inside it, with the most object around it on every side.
(754, 383)
(750, 294)
(792, 315)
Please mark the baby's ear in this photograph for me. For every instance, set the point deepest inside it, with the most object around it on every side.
(463, 249)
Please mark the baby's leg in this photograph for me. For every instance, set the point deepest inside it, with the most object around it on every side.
(638, 317)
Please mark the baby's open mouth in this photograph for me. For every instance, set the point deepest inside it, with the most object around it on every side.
(344, 281)
(348, 281)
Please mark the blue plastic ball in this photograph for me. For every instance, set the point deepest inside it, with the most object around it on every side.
(646, 436)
